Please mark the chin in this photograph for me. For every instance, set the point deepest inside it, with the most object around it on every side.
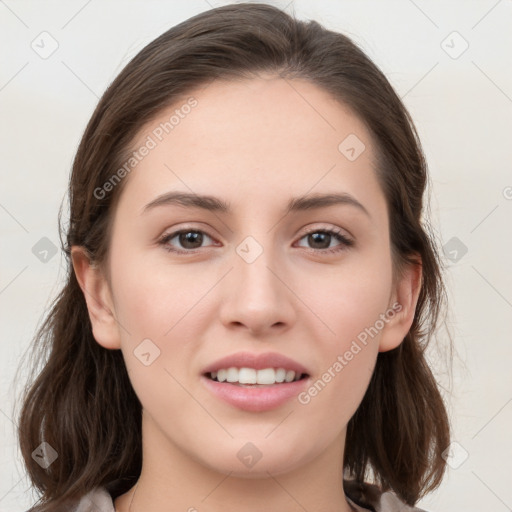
(252, 464)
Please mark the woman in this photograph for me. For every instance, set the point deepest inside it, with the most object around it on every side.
(251, 287)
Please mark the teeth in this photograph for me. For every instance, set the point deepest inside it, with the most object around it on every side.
(290, 375)
(245, 375)
(251, 376)
(232, 375)
(280, 375)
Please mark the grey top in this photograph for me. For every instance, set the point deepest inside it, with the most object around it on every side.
(362, 497)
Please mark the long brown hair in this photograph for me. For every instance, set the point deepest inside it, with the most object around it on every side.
(81, 401)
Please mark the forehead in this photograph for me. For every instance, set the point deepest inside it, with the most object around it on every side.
(265, 135)
(255, 111)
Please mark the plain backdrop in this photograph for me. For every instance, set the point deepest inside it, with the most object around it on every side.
(451, 62)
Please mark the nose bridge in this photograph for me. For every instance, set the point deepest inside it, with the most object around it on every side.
(253, 268)
(258, 297)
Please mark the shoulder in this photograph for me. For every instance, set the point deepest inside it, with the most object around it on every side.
(364, 497)
(367, 497)
(98, 500)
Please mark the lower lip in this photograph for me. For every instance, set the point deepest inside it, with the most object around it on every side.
(255, 398)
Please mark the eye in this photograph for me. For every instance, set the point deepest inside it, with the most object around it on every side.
(189, 239)
(321, 240)
(192, 239)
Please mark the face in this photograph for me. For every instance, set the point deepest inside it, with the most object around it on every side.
(312, 284)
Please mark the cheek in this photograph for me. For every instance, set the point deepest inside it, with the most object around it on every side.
(351, 304)
(161, 312)
(351, 308)
(151, 300)
(334, 396)
(351, 298)
(158, 335)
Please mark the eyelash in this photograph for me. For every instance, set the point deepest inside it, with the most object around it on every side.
(345, 242)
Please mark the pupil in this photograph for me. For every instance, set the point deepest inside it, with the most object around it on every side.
(316, 237)
(191, 237)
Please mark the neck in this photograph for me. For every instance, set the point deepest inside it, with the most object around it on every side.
(171, 480)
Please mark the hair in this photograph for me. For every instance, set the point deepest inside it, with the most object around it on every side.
(82, 403)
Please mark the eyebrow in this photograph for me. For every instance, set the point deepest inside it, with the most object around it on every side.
(214, 204)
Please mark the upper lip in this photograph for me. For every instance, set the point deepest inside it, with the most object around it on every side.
(256, 361)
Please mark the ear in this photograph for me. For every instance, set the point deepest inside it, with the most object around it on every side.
(96, 290)
(403, 304)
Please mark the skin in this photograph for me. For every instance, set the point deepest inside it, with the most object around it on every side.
(255, 144)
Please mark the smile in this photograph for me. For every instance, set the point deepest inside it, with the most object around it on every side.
(251, 376)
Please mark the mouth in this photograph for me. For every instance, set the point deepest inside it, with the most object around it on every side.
(255, 390)
(255, 382)
(252, 377)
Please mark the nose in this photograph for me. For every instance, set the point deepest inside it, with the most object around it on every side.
(257, 296)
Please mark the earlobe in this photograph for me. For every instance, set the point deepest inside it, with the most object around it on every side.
(403, 304)
(96, 290)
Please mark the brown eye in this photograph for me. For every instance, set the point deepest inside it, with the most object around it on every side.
(321, 239)
(188, 240)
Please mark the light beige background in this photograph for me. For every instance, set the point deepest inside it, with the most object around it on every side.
(460, 99)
